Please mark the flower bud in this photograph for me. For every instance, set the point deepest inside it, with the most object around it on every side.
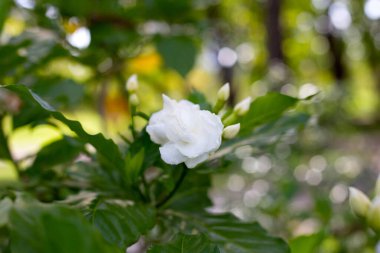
(230, 132)
(373, 215)
(224, 92)
(132, 84)
(134, 99)
(243, 106)
(359, 202)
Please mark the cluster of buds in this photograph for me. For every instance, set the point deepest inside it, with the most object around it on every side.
(132, 86)
(366, 209)
(230, 118)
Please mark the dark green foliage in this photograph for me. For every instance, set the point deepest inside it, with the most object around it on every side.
(121, 224)
(37, 228)
(183, 243)
(178, 53)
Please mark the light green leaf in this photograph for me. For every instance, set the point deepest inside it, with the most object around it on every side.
(305, 243)
(186, 244)
(265, 109)
(133, 166)
(119, 224)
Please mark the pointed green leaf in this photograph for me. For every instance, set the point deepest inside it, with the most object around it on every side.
(265, 109)
(234, 235)
(107, 151)
(186, 244)
(37, 228)
(119, 224)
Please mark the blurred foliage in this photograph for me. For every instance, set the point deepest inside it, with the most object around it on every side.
(76, 55)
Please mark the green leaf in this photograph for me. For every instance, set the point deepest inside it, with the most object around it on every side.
(151, 149)
(305, 243)
(263, 136)
(5, 7)
(107, 151)
(265, 109)
(178, 52)
(192, 196)
(37, 228)
(5, 207)
(234, 235)
(59, 93)
(199, 98)
(183, 243)
(63, 150)
(119, 224)
(133, 166)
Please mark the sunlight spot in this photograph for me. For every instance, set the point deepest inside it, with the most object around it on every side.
(307, 90)
(81, 38)
(340, 16)
(372, 9)
(236, 183)
(339, 193)
(27, 4)
(227, 57)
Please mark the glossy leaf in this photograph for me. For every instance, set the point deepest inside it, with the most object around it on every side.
(192, 196)
(265, 109)
(107, 151)
(234, 235)
(183, 243)
(37, 228)
(119, 224)
(63, 150)
(133, 166)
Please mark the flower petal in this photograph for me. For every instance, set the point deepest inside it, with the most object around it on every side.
(171, 155)
(192, 162)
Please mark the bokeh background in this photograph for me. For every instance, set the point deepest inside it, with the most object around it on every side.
(78, 55)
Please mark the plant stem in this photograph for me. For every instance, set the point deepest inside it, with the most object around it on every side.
(132, 127)
(176, 187)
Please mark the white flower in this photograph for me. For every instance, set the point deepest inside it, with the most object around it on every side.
(134, 99)
(224, 92)
(132, 84)
(359, 202)
(231, 131)
(185, 133)
(242, 107)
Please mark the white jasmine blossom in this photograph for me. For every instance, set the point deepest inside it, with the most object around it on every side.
(373, 215)
(231, 131)
(134, 100)
(224, 92)
(359, 202)
(185, 133)
(132, 84)
(242, 107)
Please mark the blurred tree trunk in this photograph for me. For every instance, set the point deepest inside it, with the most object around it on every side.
(220, 37)
(274, 32)
(336, 54)
(278, 73)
